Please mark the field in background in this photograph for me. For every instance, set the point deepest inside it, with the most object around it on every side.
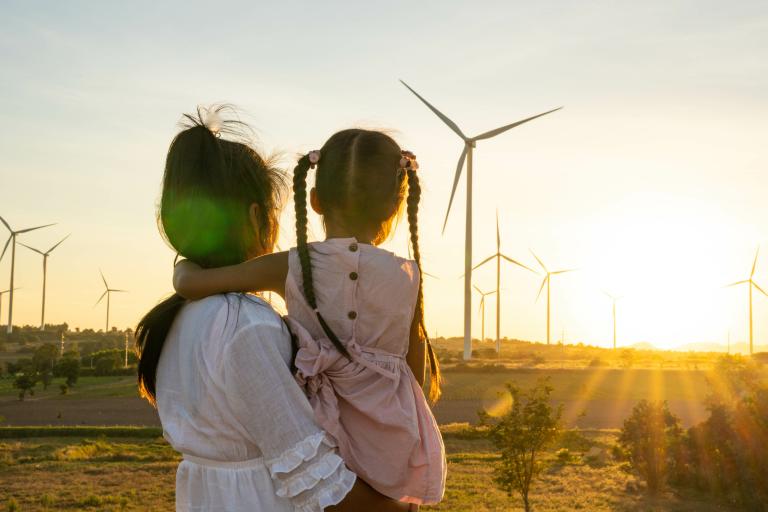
(102, 473)
(597, 386)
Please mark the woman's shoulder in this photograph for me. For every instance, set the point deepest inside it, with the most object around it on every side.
(227, 314)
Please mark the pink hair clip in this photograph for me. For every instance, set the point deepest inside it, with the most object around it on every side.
(314, 157)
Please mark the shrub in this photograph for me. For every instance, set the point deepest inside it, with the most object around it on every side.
(650, 437)
(522, 434)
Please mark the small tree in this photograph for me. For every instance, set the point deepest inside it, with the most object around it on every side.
(69, 368)
(521, 435)
(24, 382)
(650, 437)
(44, 360)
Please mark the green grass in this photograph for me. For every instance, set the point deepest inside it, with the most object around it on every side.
(597, 384)
(133, 474)
(86, 387)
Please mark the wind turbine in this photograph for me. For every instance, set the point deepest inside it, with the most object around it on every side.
(12, 238)
(107, 292)
(752, 284)
(483, 295)
(498, 257)
(466, 154)
(614, 300)
(547, 280)
(45, 273)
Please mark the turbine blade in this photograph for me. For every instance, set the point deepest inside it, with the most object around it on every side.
(459, 168)
(758, 287)
(453, 126)
(543, 282)
(754, 265)
(497, 131)
(478, 289)
(6, 247)
(104, 279)
(6, 224)
(737, 283)
(518, 263)
(433, 276)
(486, 260)
(120, 291)
(31, 248)
(101, 298)
(540, 262)
(58, 244)
(564, 271)
(32, 229)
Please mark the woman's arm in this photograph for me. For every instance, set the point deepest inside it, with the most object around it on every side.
(416, 357)
(265, 273)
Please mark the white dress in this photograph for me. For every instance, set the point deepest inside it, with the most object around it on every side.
(228, 402)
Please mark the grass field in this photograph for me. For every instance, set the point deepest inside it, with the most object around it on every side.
(137, 474)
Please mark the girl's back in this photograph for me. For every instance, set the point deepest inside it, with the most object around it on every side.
(366, 294)
(370, 404)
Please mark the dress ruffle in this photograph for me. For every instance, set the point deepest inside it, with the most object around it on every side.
(309, 477)
(303, 451)
(329, 496)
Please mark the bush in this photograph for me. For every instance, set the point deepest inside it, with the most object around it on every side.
(725, 455)
(650, 437)
(521, 435)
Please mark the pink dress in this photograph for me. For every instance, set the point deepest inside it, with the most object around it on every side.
(372, 406)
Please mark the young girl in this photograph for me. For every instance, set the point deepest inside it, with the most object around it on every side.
(357, 312)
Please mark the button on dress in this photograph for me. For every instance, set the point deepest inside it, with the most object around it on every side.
(372, 406)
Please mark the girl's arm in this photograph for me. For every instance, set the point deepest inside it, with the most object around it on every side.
(265, 273)
(417, 354)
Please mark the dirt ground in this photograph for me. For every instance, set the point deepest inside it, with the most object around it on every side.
(135, 411)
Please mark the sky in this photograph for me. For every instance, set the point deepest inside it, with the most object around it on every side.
(651, 181)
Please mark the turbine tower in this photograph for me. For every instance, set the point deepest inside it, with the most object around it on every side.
(547, 280)
(12, 241)
(1, 302)
(498, 256)
(483, 295)
(614, 300)
(466, 154)
(107, 292)
(45, 273)
(752, 284)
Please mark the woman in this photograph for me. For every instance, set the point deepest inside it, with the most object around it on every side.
(218, 369)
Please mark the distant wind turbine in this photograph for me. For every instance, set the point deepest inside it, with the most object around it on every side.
(466, 154)
(752, 284)
(45, 273)
(498, 256)
(483, 295)
(547, 280)
(614, 300)
(107, 292)
(12, 238)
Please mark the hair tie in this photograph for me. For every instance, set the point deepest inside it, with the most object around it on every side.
(314, 157)
(212, 120)
(408, 161)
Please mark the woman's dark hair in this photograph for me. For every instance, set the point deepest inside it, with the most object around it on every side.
(212, 178)
(361, 185)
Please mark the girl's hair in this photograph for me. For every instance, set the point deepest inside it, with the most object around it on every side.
(212, 178)
(361, 185)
